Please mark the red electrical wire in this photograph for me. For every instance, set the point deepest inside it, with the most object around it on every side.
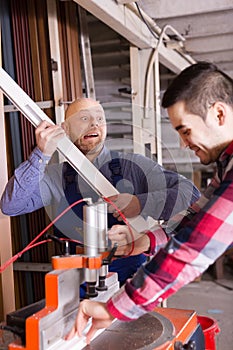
(125, 221)
(18, 255)
(33, 243)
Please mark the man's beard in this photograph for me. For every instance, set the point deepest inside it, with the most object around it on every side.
(91, 148)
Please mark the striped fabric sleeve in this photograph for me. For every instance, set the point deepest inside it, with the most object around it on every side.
(187, 254)
(158, 239)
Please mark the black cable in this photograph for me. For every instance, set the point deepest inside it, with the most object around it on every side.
(15, 330)
(142, 17)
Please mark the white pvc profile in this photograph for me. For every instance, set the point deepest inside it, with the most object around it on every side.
(71, 153)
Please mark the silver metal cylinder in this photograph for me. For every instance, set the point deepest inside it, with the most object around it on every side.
(91, 241)
(103, 271)
(102, 225)
(90, 275)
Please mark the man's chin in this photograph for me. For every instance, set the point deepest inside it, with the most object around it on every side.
(90, 149)
(84, 148)
(206, 161)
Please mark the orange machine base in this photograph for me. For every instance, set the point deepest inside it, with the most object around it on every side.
(159, 330)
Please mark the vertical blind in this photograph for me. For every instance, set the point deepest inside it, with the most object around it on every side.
(26, 41)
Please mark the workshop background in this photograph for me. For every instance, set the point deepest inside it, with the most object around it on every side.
(124, 53)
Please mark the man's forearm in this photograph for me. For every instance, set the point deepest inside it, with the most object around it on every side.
(22, 194)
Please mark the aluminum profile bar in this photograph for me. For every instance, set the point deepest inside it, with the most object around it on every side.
(71, 153)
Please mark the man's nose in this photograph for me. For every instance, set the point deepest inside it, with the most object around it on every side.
(94, 122)
(184, 143)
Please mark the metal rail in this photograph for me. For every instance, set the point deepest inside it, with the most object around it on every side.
(69, 151)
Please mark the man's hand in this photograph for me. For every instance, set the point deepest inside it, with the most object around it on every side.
(101, 318)
(127, 203)
(124, 237)
(47, 137)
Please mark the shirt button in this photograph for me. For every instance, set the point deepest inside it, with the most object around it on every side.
(160, 300)
(40, 160)
(170, 251)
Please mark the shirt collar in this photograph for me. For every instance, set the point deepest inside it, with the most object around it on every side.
(229, 149)
(224, 159)
(227, 152)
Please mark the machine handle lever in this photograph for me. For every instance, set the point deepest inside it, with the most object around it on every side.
(108, 259)
(63, 244)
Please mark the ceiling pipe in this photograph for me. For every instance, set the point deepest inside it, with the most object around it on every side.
(157, 30)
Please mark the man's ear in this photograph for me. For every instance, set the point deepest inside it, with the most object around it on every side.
(220, 110)
(65, 126)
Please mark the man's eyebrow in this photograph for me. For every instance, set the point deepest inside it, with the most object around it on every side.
(179, 127)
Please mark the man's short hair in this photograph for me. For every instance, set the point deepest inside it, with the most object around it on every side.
(199, 86)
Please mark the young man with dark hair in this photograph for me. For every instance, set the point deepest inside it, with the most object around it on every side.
(200, 106)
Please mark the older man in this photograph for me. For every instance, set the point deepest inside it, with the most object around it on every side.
(146, 188)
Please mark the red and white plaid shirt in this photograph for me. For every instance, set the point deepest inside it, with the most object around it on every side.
(195, 244)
